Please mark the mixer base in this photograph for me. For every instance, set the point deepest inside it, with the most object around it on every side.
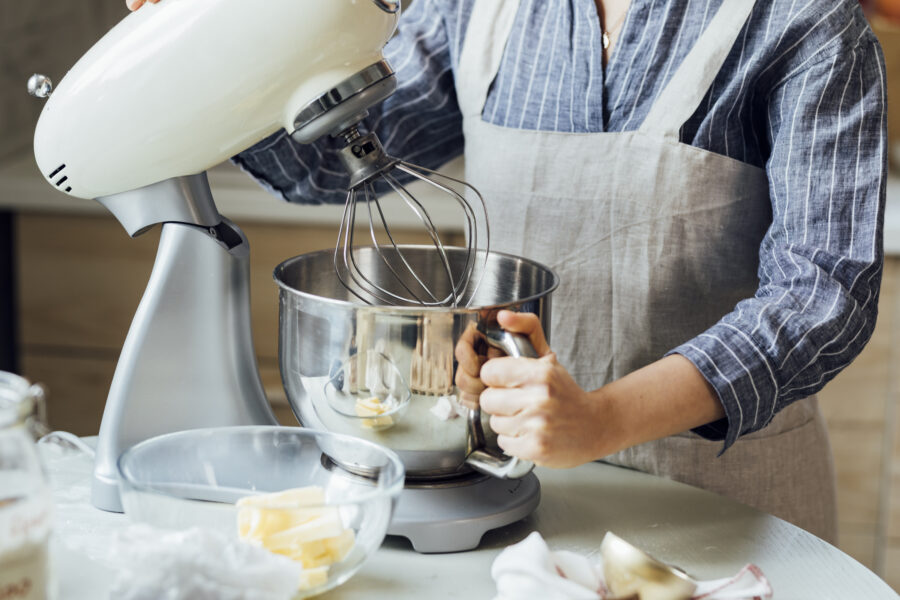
(453, 518)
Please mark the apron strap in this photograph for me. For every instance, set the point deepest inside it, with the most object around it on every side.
(489, 29)
(682, 96)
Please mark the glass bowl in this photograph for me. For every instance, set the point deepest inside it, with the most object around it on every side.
(196, 478)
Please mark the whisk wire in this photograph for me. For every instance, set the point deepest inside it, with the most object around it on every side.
(357, 273)
(370, 199)
(472, 239)
(423, 215)
(343, 242)
(471, 231)
(401, 283)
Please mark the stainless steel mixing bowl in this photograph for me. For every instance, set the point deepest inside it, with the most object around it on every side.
(386, 373)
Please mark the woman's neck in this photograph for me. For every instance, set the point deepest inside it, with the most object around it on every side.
(612, 15)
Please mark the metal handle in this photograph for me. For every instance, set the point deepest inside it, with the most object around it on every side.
(388, 6)
(514, 344)
(481, 458)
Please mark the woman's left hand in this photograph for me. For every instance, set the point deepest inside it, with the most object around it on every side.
(537, 410)
(136, 4)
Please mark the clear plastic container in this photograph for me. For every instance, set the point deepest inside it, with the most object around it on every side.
(26, 502)
(195, 478)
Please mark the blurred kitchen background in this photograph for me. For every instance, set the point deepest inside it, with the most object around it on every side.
(71, 278)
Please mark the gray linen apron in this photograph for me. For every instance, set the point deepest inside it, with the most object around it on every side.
(654, 242)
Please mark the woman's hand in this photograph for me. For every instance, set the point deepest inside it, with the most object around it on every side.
(537, 410)
(136, 4)
(471, 353)
(541, 414)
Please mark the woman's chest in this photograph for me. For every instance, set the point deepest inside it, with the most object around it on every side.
(552, 76)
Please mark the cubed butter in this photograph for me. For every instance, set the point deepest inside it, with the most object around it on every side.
(260, 516)
(373, 407)
(295, 524)
(311, 495)
(310, 578)
(318, 553)
(326, 525)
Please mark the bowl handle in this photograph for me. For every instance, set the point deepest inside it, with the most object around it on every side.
(481, 458)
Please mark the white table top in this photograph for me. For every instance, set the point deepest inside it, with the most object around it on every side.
(705, 534)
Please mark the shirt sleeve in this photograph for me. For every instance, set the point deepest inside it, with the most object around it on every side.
(821, 259)
(421, 122)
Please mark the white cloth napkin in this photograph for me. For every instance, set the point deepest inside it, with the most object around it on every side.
(530, 570)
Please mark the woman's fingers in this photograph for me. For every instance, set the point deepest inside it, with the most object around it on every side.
(523, 424)
(502, 372)
(136, 4)
(469, 384)
(516, 436)
(493, 352)
(466, 355)
(509, 372)
(526, 324)
(515, 446)
(470, 401)
(469, 367)
(509, 402)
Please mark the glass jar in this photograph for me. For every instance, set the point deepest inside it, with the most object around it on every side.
(26, 502)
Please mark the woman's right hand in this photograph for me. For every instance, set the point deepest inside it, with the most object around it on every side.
(136, 4)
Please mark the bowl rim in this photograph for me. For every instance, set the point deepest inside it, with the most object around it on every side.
(391, 488)
(413, 309)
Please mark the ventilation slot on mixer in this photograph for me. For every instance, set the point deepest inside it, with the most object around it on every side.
(61, 180)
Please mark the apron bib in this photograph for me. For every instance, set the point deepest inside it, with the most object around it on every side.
(654, 242)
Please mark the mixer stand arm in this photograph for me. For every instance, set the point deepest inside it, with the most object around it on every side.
(186, 199)
(188, 361)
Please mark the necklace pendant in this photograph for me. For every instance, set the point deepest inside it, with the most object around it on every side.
(605, 38)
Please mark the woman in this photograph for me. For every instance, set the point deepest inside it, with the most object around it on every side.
(707, 178)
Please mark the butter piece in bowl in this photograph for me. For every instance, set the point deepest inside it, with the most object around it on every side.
(297, 524)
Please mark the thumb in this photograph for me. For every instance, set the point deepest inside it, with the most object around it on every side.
(527, 324)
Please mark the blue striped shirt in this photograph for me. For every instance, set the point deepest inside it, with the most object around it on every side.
(802, 95)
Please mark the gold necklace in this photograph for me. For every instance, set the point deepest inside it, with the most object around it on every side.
(612, 30)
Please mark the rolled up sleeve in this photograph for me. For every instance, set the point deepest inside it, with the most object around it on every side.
(821, 259)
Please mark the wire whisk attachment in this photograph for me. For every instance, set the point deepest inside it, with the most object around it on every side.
(395, 274)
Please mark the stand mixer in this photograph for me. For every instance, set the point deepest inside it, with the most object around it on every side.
(175, 89)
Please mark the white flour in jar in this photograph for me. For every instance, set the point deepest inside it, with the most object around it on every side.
(24, 534)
